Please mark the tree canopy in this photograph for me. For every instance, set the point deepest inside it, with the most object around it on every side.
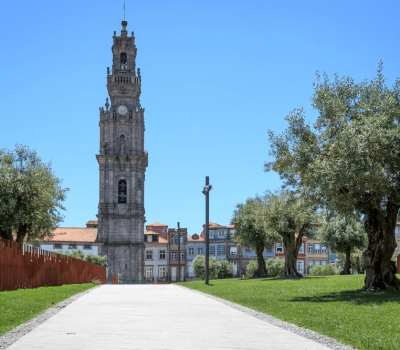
(291, 217)
(349, 160)
(31, 196)
(250, 230)
(344, 235)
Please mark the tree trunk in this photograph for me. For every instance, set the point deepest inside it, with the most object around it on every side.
(291, 251)
(379, 268)
(262, 269)
(6, 234)
(347, 263)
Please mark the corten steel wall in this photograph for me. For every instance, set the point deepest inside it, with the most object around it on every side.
(23, 266)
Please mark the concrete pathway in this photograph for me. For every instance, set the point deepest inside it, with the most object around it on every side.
(156, 317)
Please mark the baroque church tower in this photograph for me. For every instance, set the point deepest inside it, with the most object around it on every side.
(122, 161)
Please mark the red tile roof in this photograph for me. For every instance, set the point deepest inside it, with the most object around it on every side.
(151, 233)
(73, 234)
(156, 224)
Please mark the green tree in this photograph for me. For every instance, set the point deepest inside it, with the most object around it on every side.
(344, 235)
(250, 230)
(350, 161)
(291, 217)
(97, 259)
(79, 254)
(30, 196)
(199, 267)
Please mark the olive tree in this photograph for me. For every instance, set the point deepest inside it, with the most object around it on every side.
(250, 230)
(291, 217)
(344, 235)
(350, 160)
(31, 196)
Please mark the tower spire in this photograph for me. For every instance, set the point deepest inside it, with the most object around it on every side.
(124, 10)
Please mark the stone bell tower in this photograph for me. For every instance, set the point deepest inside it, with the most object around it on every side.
(122, 161)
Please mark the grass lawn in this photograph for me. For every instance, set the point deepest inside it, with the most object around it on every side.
(330, 305)
(21, 305)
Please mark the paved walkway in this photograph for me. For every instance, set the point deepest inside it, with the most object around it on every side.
(156, 317)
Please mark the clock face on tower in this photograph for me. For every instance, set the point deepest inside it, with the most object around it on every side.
(122, 110)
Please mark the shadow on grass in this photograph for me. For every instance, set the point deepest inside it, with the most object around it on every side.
(354, 297)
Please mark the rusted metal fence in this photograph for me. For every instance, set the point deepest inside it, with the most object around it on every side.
(23, 266)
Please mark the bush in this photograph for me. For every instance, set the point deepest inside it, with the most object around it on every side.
(251, 267)
(329, 270)
(199, 267)
(326, 270)
(224, 269)
(275, 266)
(316, 271)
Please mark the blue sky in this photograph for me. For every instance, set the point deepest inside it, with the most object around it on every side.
(216, 75)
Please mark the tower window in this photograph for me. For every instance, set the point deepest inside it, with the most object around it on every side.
(122, 191)
(139, 184)
(123, 57)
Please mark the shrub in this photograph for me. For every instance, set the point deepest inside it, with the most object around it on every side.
(326, 270)
(329, 270)
(275, 266)
(199, 267)
(96, 281)
(251, 267)
(316, 271)
(224, 269)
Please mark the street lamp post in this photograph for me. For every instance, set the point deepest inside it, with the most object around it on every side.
(206, 191)
(179, 253)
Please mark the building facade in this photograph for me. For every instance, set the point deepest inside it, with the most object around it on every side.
(177, 252)
(122, 164)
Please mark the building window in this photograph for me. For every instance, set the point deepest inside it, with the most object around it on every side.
(279, 248)
(181, 239)
(122, 191)
(149, 272)
(211, 234)
(317, 262)
(181, 255)
(310, 249)
(221, 250)
(139, 184)
(191, 251)
(123, 57)
(173, 255)
(57, 245)
(181, 273)
(310, 264)
(212, 250)
(163, 229)
(323, 263)
(268, 250)
(301, 250)
(232, 250)
(317, 248)
(149, 255)
(162, 272)
(149, 238)
(86, 246)
(323, 249)
(173, 239)
(247, 249)
(162, 254)
(221, 233)
(300, 266)
(72, 246)
(200, 251)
